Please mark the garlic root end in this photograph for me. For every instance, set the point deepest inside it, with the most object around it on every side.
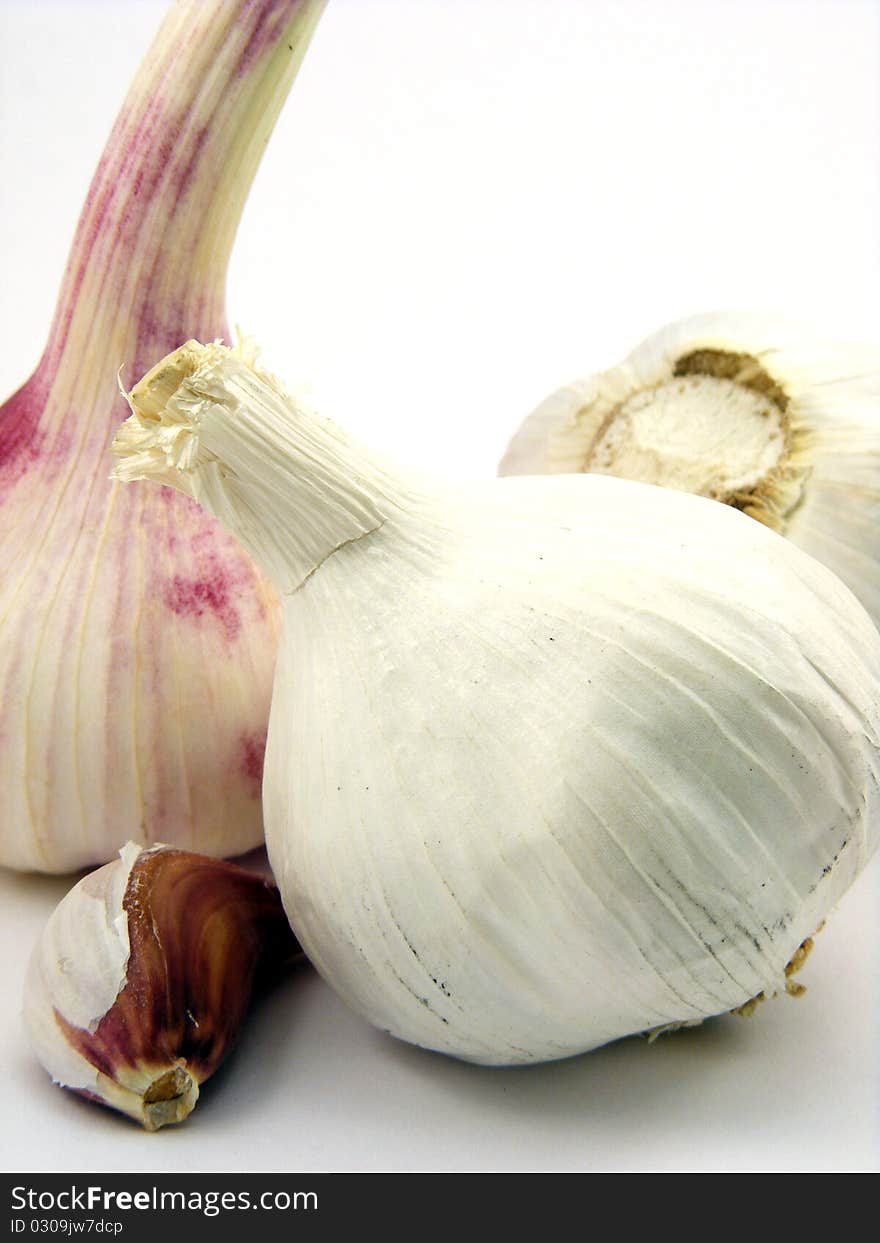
(170, 1098)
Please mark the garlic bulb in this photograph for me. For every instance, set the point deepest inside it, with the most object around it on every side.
(742, 408)
(137, 642)
(550, 760)
(140, 982)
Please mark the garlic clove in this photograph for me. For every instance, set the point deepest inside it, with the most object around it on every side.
(137, 641)
(140, 983)
(743, 408)
(551, 761)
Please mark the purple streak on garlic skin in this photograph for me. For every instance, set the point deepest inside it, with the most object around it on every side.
(23, 442)
(137, 641)
(253, 754)
(193, 597)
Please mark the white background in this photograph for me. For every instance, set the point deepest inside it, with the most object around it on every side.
(466, 203)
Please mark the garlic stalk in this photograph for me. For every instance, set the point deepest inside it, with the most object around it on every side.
(550, 760)
(141, 980)
(137, 642)
(742, 408)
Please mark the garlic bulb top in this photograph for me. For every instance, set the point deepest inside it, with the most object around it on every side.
(745, 409)
(550, 760)
(137, 641)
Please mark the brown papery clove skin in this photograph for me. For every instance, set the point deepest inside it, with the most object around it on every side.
(204, 934)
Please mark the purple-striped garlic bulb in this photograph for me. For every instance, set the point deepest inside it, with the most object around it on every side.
(137, 640)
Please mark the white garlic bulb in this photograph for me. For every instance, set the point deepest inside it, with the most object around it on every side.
(550, 760)
(745, 409)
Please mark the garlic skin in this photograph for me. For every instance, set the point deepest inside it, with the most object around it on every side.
(746, 409)
(137, 641)
(551, 761)
(139, 985)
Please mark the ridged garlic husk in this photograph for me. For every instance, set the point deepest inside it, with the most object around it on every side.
(550, 760)
(140, 983)
(137, 641)
(745, 408)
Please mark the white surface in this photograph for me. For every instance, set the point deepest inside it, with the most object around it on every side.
(466, 203)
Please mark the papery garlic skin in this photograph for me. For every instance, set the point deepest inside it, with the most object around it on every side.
(746, 408)
(139, 984)
(78, 968)
(551, 760)
(137, 641)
